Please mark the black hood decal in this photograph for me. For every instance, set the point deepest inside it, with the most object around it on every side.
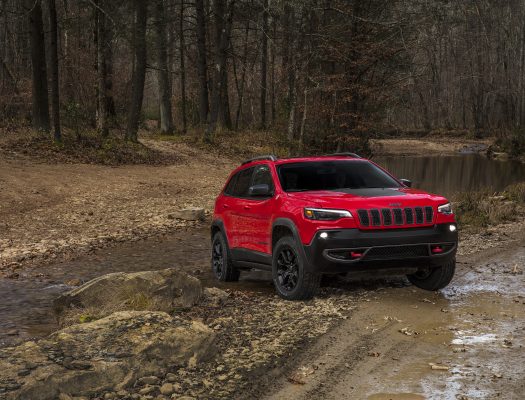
(373, 192)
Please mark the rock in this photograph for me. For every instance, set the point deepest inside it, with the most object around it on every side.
(119, 350)
(215, 296)
(148, 390)
(149, 380)
(167, 389)
(163, 290)
(189, 214)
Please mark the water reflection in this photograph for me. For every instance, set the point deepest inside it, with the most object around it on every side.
(450, 174)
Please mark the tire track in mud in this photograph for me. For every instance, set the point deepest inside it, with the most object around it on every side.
(344, 364)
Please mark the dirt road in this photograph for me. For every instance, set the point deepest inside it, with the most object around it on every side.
(467, 342)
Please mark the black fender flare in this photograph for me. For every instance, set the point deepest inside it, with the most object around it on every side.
(288, 223)
(218, 224)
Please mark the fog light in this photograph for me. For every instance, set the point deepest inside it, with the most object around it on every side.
(323, 235)
(452, 228)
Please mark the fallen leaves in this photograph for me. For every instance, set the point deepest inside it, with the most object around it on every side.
(300, 377)
(408, 332)
(438, 367)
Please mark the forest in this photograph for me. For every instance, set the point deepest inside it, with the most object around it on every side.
(320, 73)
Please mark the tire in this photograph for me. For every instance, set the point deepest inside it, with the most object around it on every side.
(221, 262)
(291, 279)
(434, 279)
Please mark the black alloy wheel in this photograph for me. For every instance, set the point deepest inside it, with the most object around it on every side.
(293, 278)
(287, 269)
(221, 262)
(217, 258)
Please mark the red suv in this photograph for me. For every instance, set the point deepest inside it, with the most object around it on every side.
(303, 217)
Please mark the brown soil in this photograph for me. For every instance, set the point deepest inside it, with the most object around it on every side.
(51, 210)
(465, 342)
(426, 146)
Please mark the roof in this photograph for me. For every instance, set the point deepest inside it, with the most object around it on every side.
(327, 157)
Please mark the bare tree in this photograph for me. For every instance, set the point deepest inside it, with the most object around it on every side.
(202, 68)
(53, 67)
(163, 79)
(139, 72)
(264, 63)
(40, 114)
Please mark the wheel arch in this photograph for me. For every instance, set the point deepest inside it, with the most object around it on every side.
(284, 227)
(218, 226)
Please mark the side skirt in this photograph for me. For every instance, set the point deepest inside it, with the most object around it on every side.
(244, 258)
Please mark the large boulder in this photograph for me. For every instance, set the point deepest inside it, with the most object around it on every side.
(164, 290)
(105, 355)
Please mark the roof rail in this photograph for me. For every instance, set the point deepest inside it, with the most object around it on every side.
(269, 157)
(354, 155)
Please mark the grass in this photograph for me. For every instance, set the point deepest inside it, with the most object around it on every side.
(477, 210)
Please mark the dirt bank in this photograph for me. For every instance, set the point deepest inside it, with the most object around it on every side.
(58, 210)
(427, 146)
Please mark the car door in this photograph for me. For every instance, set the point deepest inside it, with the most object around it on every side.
(236, 222)
(256, 214)
(224, 207)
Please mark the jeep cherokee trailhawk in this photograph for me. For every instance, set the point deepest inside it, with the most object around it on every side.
(303, 217)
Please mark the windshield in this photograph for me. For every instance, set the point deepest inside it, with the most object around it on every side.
(333, 175)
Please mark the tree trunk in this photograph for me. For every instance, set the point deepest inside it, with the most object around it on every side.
(40, 107)
(303, 121)
(166, 119)
(219, 94)
(102, 72)
(292, 73)
(202, 68)
(264, 63)
(272, 71)
(240, 92)
(53, 67)
(182, 69)
(139, 71)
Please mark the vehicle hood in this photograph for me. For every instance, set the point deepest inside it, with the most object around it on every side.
(352, 199)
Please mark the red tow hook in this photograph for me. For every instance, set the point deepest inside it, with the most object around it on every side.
(355, 254)
(436, 249)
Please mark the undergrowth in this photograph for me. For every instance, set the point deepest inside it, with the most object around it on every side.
(476, 210)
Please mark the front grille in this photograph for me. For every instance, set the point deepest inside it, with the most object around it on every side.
(363, 217)
(376, 219)
(396, 216)
(429, 214)
(396, 252)
(419, 215)
(387, 216)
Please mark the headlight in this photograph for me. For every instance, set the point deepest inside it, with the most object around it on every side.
(326, 214)
(445, 209)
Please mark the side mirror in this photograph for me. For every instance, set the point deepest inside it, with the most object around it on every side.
(261, 190)
(406, 182)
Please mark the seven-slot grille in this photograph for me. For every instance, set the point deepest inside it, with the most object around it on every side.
(396, 216)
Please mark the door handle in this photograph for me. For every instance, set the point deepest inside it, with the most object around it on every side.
(247, 207)
(225, 206)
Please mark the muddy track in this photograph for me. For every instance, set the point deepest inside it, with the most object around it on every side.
(472, 333)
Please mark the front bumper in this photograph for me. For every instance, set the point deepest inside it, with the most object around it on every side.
(345, 250)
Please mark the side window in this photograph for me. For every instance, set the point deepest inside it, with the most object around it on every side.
(242, 183)
(262, 175)
(230, 187)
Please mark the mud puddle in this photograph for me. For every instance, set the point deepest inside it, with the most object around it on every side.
(465, 342)
(25, 309)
